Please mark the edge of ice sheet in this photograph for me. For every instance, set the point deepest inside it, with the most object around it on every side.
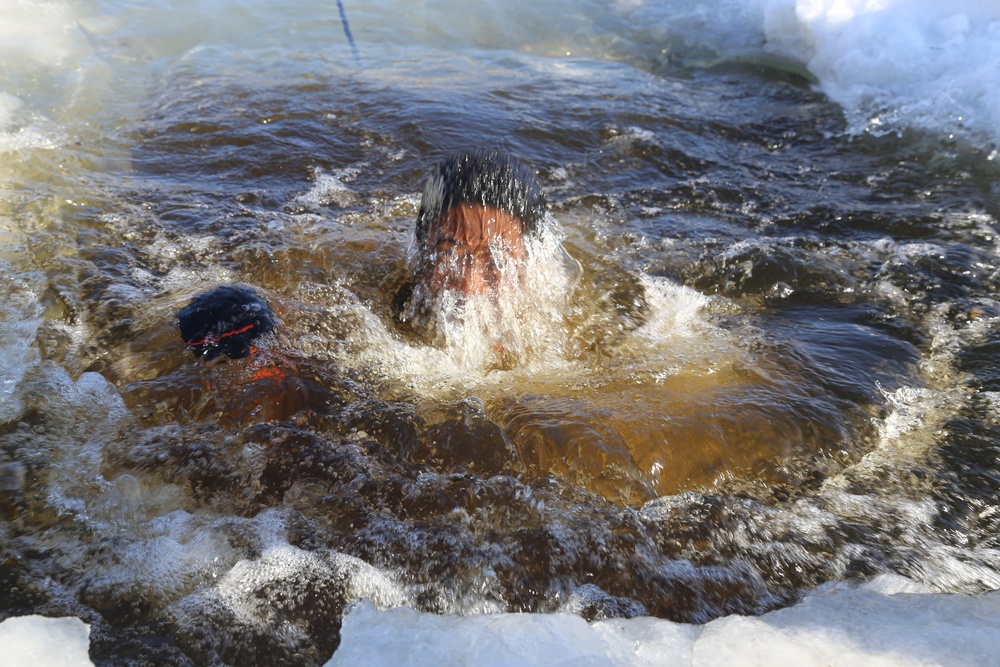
(885, 623)
(840, 624)
(891, 64)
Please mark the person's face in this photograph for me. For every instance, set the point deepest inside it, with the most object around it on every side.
(469, 247)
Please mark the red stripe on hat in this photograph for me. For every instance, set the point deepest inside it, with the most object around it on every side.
(212, 339)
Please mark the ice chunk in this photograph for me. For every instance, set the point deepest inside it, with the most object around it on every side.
(44, 642)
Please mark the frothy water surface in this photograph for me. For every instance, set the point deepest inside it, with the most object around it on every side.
(754, 358)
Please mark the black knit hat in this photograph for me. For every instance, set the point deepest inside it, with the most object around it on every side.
(488, 177)
(225, 320)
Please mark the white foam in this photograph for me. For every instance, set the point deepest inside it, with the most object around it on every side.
(43, 31)
(19, 323)
(38, 41)
(80, 411)
(331, 189)
(44, 642)
(526, 324)
(182, 552)
(298, 570)
(909, 407)
(891, 64)
(9, 106)
(678, 310)
(839, 625)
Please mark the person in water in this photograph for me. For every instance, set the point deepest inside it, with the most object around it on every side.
(478, 210)
(224, 322)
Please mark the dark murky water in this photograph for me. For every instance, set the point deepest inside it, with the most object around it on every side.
(777, 369)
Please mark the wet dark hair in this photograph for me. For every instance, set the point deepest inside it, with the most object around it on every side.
(488, 177)
(225, 320)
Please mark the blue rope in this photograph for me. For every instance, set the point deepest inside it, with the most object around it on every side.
(347, 31)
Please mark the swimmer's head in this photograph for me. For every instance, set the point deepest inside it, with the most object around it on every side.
(225, 321)
(477, 211)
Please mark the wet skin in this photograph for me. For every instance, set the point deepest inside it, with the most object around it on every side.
(471, 246)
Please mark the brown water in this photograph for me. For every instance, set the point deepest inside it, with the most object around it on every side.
(772, 368)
